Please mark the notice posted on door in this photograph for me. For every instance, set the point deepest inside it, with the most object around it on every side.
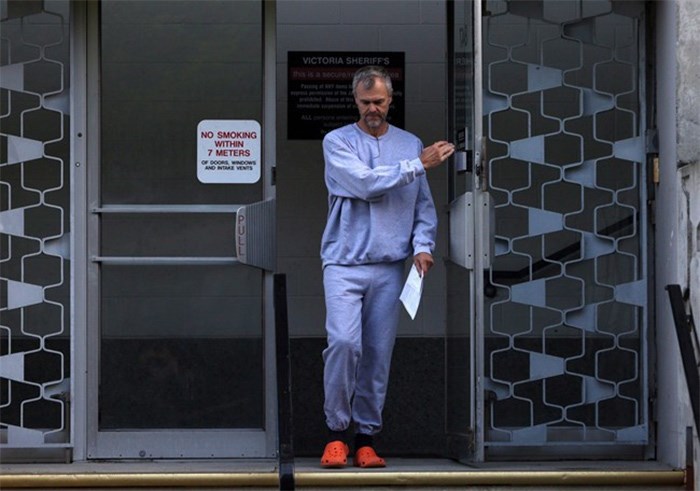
(228, 151)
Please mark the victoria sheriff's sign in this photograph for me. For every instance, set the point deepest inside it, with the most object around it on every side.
(319, 84)
(228, 151)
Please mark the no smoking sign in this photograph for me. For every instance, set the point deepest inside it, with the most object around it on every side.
(228, 151)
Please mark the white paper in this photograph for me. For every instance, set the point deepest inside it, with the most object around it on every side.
(410, 296)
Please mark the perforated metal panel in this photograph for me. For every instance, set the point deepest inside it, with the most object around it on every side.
(35, 225)
(565, 346)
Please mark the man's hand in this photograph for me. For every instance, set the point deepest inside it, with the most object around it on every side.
(423, 262)
(436, 154)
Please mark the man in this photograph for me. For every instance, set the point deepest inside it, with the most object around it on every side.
(380, 212)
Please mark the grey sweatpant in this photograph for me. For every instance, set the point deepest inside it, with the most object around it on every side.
(362, 311)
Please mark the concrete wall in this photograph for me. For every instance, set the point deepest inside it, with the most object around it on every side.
(688, 86)
(688, 158)
(677, 209)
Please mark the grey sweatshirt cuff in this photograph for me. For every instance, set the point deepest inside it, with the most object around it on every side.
(418, 249)
(418, 166)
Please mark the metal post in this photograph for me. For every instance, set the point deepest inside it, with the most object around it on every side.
(685, 343)
(284, 385)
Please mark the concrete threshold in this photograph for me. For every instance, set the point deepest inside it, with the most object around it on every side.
(405, 473)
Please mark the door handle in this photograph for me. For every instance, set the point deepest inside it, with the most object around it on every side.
(255, 240)
(480, 165)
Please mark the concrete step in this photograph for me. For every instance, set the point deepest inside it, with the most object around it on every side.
(406, 474)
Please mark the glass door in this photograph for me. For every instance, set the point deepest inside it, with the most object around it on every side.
(177, 318)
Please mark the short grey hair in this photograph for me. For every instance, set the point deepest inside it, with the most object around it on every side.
(366, 76)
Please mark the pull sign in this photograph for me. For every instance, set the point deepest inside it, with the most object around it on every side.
(462, 135)
(228, 151)
(255, 234)
(462, 155)
(242, 235)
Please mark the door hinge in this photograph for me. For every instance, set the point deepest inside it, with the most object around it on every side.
(652, 141)
(655, 171)
(273, 175)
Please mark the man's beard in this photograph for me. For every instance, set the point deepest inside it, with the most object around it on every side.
(374, 120)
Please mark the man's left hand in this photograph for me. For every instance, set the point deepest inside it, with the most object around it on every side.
(423, 262)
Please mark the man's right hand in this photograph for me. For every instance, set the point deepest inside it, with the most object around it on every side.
(436, 154)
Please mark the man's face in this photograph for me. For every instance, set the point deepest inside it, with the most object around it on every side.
(373, 104)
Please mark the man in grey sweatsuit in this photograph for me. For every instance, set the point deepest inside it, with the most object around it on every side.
(380, 212)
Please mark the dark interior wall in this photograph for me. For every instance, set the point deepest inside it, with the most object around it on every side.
(414, 418)
(414, 411)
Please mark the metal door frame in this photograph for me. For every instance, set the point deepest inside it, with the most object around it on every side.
(465, 222)
(209, 443)
(480, 259)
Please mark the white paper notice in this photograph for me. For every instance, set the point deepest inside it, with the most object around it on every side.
(410, 296)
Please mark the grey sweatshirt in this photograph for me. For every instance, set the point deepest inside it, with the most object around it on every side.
(379, 204)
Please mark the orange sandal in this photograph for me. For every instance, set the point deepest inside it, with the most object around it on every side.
(335, 455)
(366, 457)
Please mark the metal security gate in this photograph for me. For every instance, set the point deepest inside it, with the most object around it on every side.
(565, 354)
(35, 226)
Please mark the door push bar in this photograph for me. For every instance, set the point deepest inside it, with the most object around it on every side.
(254, 235)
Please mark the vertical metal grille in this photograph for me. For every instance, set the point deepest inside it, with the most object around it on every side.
(565, 347)
(34, 224)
